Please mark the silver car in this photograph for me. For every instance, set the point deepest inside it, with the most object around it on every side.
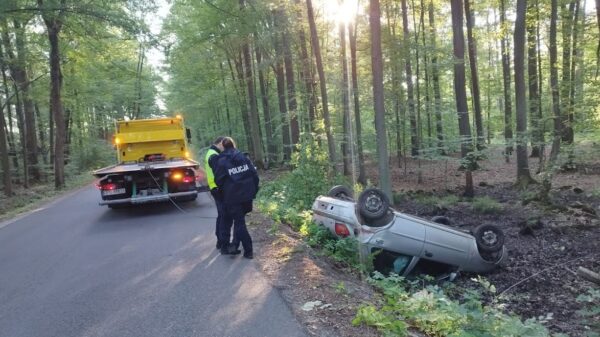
(402, 243)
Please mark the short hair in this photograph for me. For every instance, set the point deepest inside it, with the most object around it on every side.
(228, 143)
(218, 140)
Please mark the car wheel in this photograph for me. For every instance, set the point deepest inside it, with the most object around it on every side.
(373, 204)
(442, 220)
(341, 192)
(490, 238)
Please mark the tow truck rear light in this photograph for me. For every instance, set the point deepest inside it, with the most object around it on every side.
(188, 179)
(108, 187)
(341, 230)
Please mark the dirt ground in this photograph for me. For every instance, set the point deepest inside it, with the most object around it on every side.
(545, 246)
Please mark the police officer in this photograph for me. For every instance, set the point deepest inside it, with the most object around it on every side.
(236, 177)
(211, 155)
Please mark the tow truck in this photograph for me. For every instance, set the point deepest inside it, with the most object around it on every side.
(153, 164)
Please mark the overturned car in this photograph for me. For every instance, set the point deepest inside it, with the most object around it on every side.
(402, 243)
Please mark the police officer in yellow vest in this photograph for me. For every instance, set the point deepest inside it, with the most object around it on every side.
(214, 150)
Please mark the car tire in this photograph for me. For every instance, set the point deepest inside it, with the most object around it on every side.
(489, 238)
(442, 220)
(341, 192)
(373, 204)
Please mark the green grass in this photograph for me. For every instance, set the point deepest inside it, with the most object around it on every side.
(444, 202)
(25, 200)
(486, 205)
(427, 308)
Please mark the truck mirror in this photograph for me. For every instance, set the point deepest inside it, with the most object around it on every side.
(188, 135)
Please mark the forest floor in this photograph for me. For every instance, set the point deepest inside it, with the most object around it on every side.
(545, 245)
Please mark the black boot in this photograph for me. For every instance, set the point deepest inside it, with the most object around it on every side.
(233, 250)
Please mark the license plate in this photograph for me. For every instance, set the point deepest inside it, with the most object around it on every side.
(113, 192)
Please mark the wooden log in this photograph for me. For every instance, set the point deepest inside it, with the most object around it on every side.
(588, 275)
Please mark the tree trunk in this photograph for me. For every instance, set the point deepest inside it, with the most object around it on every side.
(56, 105)
(9, 128)
(291, 88)
(377, 70)
(307, 74)
(226, 99)
(470, 17)
(567, 20)
(355, 93)
(19, 74)
(508, 133)
(281, 92)
(554, 87)
(322, 81)
(242, 98)
(346, 144)
(4, 158)
(257, 149)
(414, 138)
(458, 42)
(534, 95)
(523, 175)
(435, 76)
(271, 148)
(575, 67)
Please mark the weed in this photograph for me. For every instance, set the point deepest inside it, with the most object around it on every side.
(431, 311)
(441, 203)
(486, 205)
(591, 311)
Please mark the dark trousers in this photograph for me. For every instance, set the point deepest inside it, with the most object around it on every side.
(221, 219)
(236, 214)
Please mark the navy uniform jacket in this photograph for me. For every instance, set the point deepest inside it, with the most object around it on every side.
(235, 176)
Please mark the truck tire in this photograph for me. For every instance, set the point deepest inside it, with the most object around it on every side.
(373, 204)
(489, 238)
(341, 192)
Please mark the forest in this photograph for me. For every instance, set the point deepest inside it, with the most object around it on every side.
(476, 110)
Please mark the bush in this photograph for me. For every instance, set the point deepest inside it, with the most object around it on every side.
(287, 198)
(431, 311)
(486, 205)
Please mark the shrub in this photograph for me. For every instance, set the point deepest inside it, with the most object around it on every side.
(486, 205)
(431, 311)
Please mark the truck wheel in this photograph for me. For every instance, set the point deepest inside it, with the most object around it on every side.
(341, 192)
(489, 238)
(373, 204)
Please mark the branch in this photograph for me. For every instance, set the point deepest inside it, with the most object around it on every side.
(588, 275)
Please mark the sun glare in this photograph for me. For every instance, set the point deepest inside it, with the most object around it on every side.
(341, 11)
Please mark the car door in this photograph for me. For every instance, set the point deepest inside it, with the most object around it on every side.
(403, 236)
(446, 245)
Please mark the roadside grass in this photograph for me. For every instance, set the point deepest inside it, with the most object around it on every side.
(25, 200)
(427, 308)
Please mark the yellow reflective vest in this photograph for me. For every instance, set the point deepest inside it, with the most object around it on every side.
(210, 175)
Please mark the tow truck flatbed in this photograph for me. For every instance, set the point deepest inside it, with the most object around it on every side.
(146, 166)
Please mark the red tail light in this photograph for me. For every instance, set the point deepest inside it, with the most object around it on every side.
(341, 230)
(188, 179)
(108, 187)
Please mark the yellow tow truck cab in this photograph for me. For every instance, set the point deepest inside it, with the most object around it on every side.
(153, 164)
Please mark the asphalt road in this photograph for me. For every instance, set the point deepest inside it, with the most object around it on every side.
(74, 268)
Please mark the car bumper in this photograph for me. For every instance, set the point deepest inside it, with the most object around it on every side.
(147, 198)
